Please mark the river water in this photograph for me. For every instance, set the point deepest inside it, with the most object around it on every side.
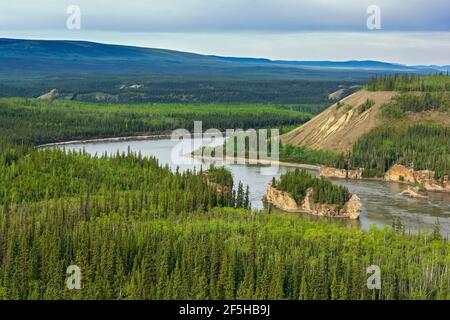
(382, 201)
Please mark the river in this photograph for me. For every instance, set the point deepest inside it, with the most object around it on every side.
(382, 201)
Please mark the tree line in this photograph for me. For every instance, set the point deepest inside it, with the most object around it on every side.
(37, 122)
(424, 83)
(55, 174)
(421, 147)
(186, 90)
(429, 101)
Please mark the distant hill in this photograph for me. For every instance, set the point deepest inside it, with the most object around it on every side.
(354, 64)
(19, 58)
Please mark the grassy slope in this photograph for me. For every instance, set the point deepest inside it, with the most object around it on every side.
(339, 126)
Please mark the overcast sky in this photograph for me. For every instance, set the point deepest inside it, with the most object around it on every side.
(413, 31)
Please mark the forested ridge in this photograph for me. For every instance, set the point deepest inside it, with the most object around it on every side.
(422, 147)
(405, 83)
(38, 122)
(55, 174)
(186, 90)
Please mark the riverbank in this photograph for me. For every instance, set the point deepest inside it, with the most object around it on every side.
(381, 200)
(156, 136)
(167, 136)
(330, 173)
(260, 162)
(99, 140)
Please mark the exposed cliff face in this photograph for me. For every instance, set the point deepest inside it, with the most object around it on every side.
(424, 178)
(353, 207)
(284, 201)
(339, 126)
(342, 124)
(328, 172)
(397, 173)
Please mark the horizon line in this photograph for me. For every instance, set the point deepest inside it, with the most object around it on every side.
(224, 56)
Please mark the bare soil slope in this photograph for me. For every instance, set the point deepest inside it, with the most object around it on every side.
(339, 126)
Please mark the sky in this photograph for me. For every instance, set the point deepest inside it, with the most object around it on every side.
(412, 32)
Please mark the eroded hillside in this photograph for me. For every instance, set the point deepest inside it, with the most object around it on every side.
(338, 127)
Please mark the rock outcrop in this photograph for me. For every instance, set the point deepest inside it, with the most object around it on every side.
(414, 192)
(284, 201)
(397, 173)
(328, 172)
(133, 87)
(424, 178)
(52, 95)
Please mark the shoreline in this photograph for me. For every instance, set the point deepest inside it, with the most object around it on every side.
(99, 140)
(156, 136)
(225, 159)
(166, 136)
(261, 161)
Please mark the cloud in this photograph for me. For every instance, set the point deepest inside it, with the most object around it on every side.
(413, 31)
(228, 15)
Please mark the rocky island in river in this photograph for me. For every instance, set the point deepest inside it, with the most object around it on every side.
(298, 191)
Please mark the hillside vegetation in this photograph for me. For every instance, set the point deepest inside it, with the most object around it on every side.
(422, 147)
(338, 127)
(406, 123)
(415, 103)
(139, 231)
(152, 89)
(431, 83)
